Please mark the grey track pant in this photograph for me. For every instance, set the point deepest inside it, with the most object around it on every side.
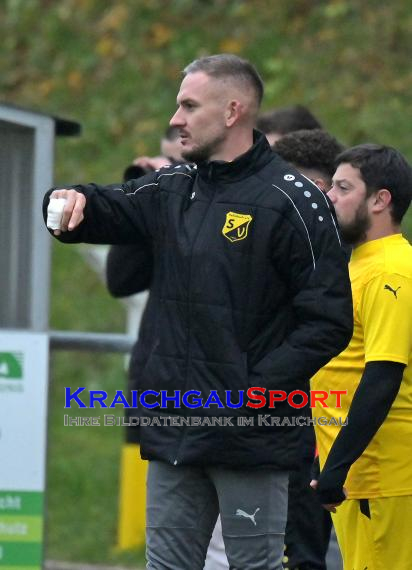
(183, 503)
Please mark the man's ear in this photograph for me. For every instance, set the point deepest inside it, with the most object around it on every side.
(381, 200)
(234, 111)
(322, 184)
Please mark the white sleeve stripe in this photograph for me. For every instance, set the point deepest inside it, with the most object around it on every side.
(303, 222)
(154, 183)
(173, 173)
(144, 186)
(327, 203)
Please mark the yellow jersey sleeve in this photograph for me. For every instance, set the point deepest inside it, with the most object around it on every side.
(385, 313)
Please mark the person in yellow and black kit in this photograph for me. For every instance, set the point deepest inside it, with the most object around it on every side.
(313, 152)
(251, 289)
(366, 477)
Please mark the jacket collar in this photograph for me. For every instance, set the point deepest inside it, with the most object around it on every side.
(244, 165)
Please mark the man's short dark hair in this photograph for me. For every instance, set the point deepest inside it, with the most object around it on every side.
(226, 65)
(382, 167)
(313, 149)
(287, 119)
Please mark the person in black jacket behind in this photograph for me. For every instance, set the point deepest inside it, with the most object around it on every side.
(251, 290)
(129, 268)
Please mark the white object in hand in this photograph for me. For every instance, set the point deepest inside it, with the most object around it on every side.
(55, 213)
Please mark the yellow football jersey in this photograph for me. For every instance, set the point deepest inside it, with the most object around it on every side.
(381, 277)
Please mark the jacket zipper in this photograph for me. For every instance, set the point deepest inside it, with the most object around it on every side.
(175, 462)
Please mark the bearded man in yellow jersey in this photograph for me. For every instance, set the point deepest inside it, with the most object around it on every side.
(366, 477)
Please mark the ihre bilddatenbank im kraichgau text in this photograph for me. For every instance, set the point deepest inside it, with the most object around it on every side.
(254, 398)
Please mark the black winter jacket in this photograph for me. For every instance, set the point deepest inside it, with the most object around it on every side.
(250, 288)
(129, 270)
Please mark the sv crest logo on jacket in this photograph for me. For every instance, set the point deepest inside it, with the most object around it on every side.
(236, 226)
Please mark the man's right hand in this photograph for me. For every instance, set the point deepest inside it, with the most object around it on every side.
(73, 210)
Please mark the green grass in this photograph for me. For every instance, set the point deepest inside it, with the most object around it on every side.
(83, 462)
(83, 465)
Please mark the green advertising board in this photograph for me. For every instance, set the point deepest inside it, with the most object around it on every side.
(23, 424)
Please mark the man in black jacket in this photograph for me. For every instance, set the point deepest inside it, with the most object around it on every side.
(251, 290)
